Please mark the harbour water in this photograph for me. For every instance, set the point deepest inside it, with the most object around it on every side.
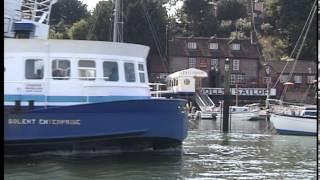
(250, 151)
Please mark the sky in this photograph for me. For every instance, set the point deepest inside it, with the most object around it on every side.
(171, 9)
(90, 3)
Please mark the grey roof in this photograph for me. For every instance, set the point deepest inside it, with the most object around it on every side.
(301, 66)
(178, 47)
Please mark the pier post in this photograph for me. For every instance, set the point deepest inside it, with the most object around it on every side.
(226, 97)
(268, 78)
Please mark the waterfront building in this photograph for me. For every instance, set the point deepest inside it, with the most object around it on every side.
(302, 77)
(209, 54)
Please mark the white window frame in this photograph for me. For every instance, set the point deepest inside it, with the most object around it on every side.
(192, 45)
(310, 79)
(103, 70)
(213, 46)
(284, 78)
(215, 64)
(35, 73)
(65, 75)
(192, 62)
(235, 64)
(237, 78)
(93, 69)
(142, 72)
(298, 79)
(6, 25)
(125, 72)
(235, 46)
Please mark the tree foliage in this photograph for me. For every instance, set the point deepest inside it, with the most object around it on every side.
(199, 17)
(293, 15)
(286, 19)
(100, 22)
(68, 11)
(145, 23)
(79, 30)
(231, 10)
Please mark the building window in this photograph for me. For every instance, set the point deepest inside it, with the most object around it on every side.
(215, 64)
(110, 71)
(6, 25)
(129, 71)
(213, 46)
(310, 79)
(141, 73)
(60, 69)
(235, 64)
(297, 79)
(192, 62)
(235, 46)
(34, 69)
(237, 78)
(284, 78)
(87, 70)
(192, 45)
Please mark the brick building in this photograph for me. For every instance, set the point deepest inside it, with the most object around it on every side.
(303, 76)
(209, 54)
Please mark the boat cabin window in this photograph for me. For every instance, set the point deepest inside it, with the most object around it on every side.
(60, 69)
(129, 72)
(110, 71)
(34, 69)
(310, 113)
(141, 73)
(87, 70)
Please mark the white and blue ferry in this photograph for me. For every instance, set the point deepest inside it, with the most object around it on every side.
(81, 95)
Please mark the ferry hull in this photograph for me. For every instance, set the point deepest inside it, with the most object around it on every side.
(292, 125)
(151, 122)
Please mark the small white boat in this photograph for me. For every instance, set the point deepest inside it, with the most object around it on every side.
(297, 123)
(236, 113)
(240, 113)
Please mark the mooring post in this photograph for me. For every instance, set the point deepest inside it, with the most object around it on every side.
(226, 96)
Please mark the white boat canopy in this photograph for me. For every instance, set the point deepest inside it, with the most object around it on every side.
(191, 72)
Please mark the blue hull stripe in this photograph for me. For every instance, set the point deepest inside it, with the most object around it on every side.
(301, 133)
(42, 98)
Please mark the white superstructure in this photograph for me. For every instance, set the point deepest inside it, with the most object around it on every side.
(66, 72)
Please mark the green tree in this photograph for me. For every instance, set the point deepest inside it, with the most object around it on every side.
(231, 10)
(286, 19)
(100, 22)
(199, 17)
(79, 30)
(145, 23)
(293, 15)
(60, 31)
(68, 11)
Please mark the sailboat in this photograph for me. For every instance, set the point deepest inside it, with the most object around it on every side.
(72, 95)
(295, 119)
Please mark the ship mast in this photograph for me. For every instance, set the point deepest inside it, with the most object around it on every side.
(117, 24)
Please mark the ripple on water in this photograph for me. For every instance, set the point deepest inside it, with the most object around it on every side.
(207, 154)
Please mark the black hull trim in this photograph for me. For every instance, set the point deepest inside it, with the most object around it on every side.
(110, 144)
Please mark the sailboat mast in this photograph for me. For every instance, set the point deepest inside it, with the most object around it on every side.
(117, 25)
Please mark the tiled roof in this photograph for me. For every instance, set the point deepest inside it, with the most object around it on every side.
(301, 66)
(178, 47)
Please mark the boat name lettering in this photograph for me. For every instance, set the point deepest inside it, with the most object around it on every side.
(240, 91)
(33, 88)
(22, 121)
(43, 121)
